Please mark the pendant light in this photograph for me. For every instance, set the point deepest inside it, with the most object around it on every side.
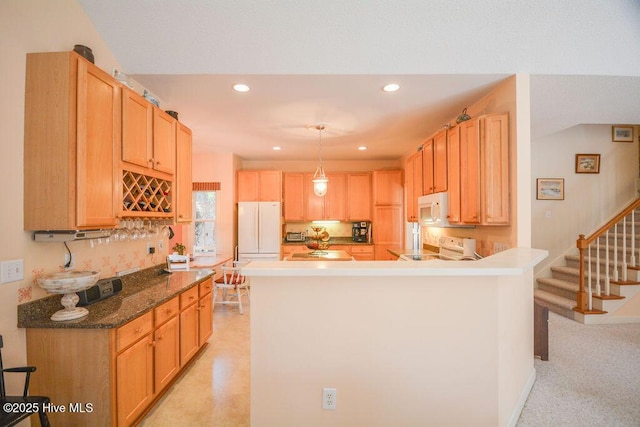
(320, 180)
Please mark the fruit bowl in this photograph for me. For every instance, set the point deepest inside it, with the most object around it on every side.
(318, 246)
(68, 283)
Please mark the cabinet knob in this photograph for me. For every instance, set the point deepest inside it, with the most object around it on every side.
(137, 331)
(152, 343)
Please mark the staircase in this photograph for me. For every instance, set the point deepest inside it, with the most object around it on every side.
(610, 269)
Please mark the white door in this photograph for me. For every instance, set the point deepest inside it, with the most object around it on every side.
(248, 220)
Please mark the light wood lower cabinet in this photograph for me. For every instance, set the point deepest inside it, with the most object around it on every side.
(189, 338)
(121, 371)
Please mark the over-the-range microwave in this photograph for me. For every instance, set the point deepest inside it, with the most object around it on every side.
(433, 210)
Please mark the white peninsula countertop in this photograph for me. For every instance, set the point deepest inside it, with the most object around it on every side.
(508, 263)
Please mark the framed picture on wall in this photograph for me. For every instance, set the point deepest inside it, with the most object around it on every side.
(622, 133)
(587, 163)
(550, 188)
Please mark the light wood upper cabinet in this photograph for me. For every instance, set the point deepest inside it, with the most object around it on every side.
(359, 196)
(469, 172)
(387, 187)
(293, 208)
(184, 182)
(148, 135)
(137, 129)
(332, 205)
(440, 161)
(494, 171)
(479, 171)
(413, 174)
(164, 142)
(71, 144)
(453, 174)
(259, 186)
(427, 167)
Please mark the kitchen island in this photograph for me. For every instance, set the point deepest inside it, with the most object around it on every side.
(411, 343)
(321, 255)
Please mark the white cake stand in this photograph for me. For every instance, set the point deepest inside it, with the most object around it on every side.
(68, 283)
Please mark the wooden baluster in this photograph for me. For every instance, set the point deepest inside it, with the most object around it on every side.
(607, 278)
(615, 252)
(632, 260)
(589, 280)
(581, 296)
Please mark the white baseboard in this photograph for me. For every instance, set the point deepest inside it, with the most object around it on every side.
(515, 415)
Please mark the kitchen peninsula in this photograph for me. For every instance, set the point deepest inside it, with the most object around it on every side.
(413, 343)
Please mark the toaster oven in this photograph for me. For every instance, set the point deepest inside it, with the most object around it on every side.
(296, 236)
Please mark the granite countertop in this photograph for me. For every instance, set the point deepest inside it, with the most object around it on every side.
(141, 292)
(332, 241)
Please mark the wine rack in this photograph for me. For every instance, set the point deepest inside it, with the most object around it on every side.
(146, 196)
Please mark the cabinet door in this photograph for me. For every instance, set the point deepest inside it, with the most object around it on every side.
(388, 229)
(453, 173)
(314, 205)
(205, 319)
(427, 167)
(335, 201)
(134, 380)
(189, 336)
(167, 352)
(387, 187)
(247, 182)
(98, 132)
(270, 186)
(137, 129)
(359, 197)
(183, 181)
(494, 143)
(469, 172)
(440, 161)
(164, 142)
(293, 197)
(413, 174)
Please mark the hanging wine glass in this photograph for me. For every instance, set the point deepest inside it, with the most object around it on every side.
(133, 231)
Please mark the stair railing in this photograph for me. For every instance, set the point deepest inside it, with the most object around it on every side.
(586, 246)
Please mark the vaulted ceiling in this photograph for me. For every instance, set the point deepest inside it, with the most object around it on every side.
(310, 62)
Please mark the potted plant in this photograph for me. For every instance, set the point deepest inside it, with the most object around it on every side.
(179, 248)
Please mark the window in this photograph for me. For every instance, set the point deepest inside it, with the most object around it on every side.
(204, 206)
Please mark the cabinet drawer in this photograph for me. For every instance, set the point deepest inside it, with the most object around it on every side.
(205, 287)
(166, 311)
(188, 297)
(362, 249)
(134, 330)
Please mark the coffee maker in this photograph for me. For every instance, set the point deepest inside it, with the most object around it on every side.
(361, 231)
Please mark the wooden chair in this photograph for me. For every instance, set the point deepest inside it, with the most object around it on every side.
(18, 408)
(233, 285)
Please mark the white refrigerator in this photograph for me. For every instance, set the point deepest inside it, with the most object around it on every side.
(259, 231)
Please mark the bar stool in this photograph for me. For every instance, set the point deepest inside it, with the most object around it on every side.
(233, 285)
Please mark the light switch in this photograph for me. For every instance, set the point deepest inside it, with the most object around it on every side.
(11, 271)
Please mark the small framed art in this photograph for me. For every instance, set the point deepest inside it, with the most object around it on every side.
(550, 188)
(622, 133)
(587, 163)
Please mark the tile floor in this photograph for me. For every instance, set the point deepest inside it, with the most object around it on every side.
(215, 388)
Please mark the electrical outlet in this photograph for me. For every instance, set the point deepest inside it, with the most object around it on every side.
(328, 398)
(150, 248)
(161, 244)
(69, 265)
(12, 271)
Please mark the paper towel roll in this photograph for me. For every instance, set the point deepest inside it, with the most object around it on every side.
(468, 247)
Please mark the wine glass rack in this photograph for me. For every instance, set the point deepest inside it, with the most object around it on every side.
(146, 196)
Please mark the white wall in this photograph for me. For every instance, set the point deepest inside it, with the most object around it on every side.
(589, 199)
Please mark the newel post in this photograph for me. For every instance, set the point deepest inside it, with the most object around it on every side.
(582, 299)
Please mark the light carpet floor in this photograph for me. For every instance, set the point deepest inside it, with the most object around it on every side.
(592, 377)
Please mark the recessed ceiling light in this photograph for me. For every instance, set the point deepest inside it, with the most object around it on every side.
(276, 148)
(391, 87)
(239, 87)
(362, 148)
